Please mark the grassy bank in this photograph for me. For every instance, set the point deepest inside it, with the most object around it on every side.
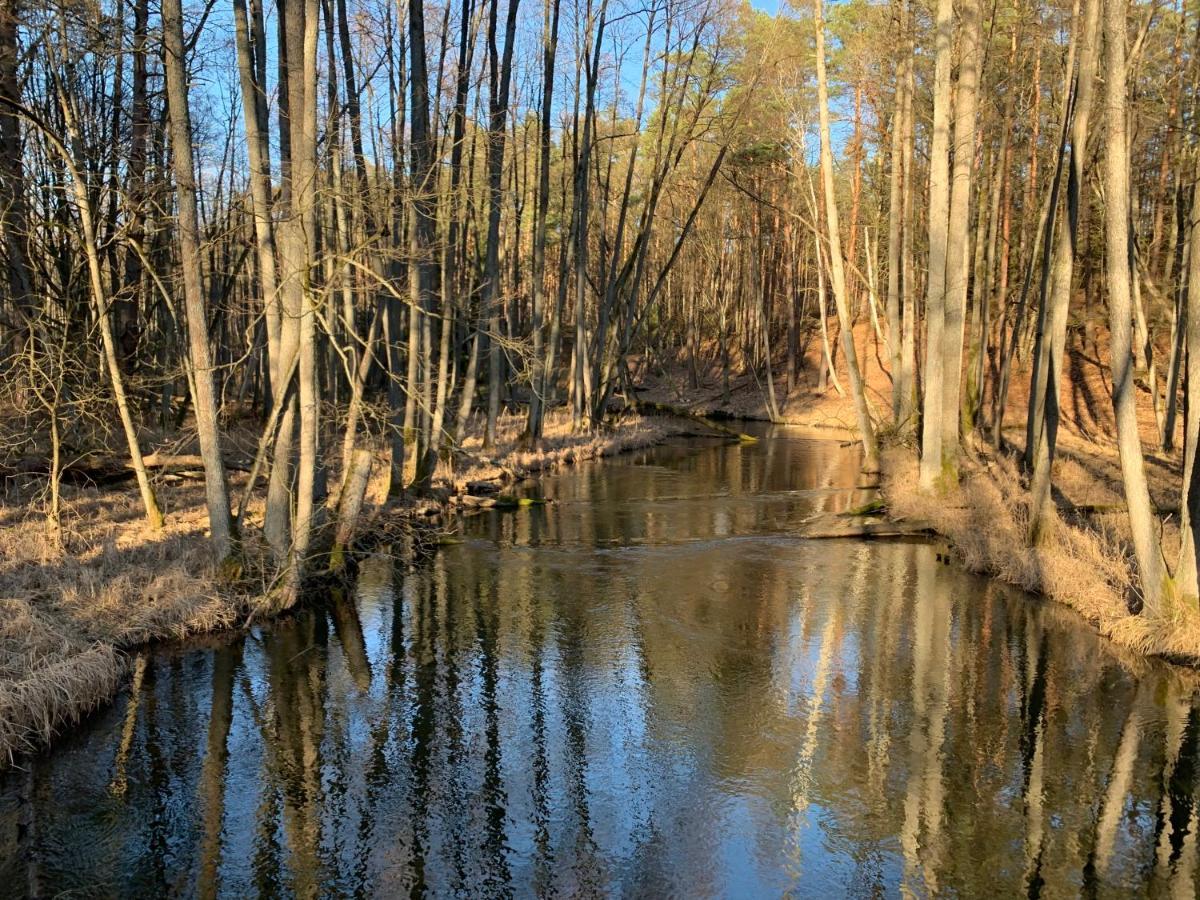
(1084, 562)
(72, 610)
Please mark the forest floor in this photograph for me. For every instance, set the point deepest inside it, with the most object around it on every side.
(1085, 562)
(72, 611)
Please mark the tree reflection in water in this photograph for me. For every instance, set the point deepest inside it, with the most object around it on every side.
(647, 687)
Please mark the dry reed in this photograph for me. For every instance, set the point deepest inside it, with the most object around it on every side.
(73, 605)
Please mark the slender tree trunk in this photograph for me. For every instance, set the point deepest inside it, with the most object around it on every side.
(14, 215)
(907, 379)
(958, 257)
(250, 43)
(204, 400)
(277, 516)
(542, 372)
(1189, 508)
(297, 244)
(500, 78)
(154, 514)
(1055, 336)
(1147, 550)
(932, 451)
(896, 217)
(451, 275)
(422, 268)
(857, 387)
(1179, 324)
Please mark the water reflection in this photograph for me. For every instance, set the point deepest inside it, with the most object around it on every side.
(646, 687)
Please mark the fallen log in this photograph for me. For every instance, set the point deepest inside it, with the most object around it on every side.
(665, 408)
(829, 527)
(111, 470)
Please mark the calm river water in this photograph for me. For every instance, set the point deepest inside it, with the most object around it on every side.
(650, 687)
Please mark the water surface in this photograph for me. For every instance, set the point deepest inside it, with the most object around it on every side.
(649, 687)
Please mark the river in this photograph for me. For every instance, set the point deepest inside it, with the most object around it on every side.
(649, 686)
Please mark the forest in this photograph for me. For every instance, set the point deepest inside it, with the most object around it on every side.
(286, 281)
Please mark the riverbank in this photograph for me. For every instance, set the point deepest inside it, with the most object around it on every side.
(72, 611)
(1085, 563)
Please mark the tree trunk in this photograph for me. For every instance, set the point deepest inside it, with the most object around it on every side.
(932, 452)
(542, 373)
(1147, 550)
(14, 216)
(422, 270)
(204, 400)
(1189, 525)
(838, 276)
(958, 255)
(500, 77)
(250, 44)
(297, 244)
(1055, 336)
(896, 218)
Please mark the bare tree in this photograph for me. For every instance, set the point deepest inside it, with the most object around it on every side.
(866, 429)
(204, 402)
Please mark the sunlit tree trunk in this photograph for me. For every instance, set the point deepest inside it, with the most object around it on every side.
(858, 390)
(896, 217)
(72, 158)
(1055, 336)
(297, 245)
(907, 378)
(542, 364)
(932, 451)
(1189, 507)
(958, 256)
(1147, 549)
(251, 49)
(204, 403)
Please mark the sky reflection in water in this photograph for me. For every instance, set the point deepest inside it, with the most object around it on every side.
(646, 688)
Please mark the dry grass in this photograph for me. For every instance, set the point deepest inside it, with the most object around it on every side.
(73, 606)
(1084, 562)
